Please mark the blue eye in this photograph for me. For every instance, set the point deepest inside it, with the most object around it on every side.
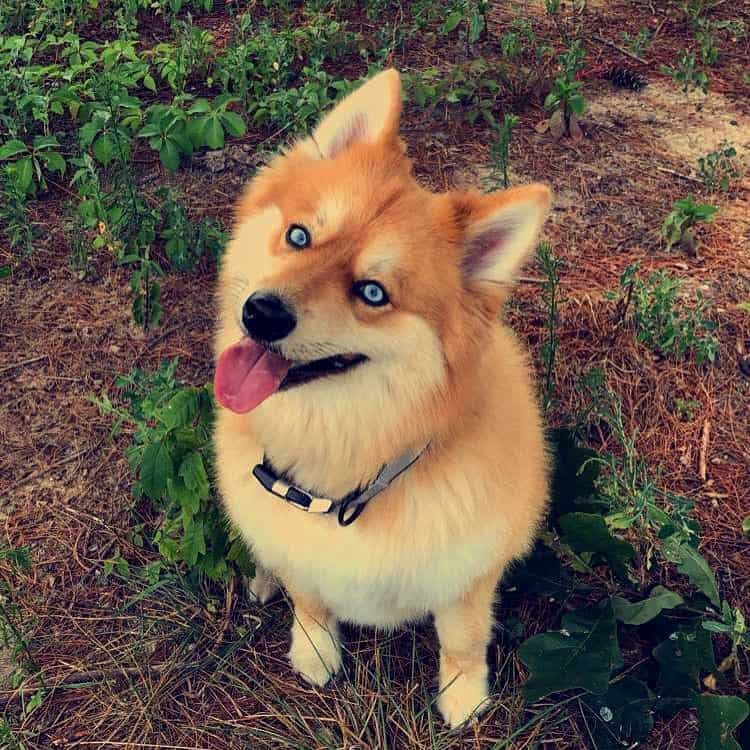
(297, 237)
(371, 293)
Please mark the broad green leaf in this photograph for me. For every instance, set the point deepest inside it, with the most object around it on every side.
(622, 717)
(582, 654)
(719, 716)
(53, 161)
(104, 149)
(156, 468)
(683, 657)
(542, 574)
(24, 173)
(182, 141)
(452, 22)
(199, 107)
(692, 564)
(12, 148)
(149, 131)
(193, 472)
(181, 409)
(45, 141)
(588, 532)
(193, 541)
(638, 613)
(149, 82)
(179, 493)
(169, 156)
(214, 133)
(233, 123)
(574, 474)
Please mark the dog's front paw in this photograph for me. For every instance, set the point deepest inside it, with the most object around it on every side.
(262, 587)
(462, 699)
(315, 654)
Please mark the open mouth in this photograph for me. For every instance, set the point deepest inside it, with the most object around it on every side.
(248, 372)
(304, 372)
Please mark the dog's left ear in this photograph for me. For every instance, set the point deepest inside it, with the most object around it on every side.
(499, 230)
(369, 114)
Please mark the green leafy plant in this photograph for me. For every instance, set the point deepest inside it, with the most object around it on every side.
(166, 130)
(13, 217)
(639, 43)
(718, 168)
(13, 629)
(685, 215)
(705, 38)
(583, 656)
(189, 54)
(470, 15)
(524, 63)
(186, 242)
(211, 121)
(27, 164)
(659, 318)
(500, 151)
(565, 97)
(687, 73)
(171, 455)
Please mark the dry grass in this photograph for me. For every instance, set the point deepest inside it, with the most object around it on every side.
(128, 666)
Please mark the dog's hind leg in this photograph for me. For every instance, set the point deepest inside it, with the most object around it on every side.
(464, 629)
(263, 586)
(315, 653)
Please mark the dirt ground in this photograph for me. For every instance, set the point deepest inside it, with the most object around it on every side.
(115, 660)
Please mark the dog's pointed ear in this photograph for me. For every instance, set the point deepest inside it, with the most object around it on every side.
(369, 114)
(499, 230)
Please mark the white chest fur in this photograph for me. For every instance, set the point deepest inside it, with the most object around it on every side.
(369, 573)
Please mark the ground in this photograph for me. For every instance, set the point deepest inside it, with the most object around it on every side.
(171, 667)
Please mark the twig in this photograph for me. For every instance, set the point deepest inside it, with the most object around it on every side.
(704, 450)
(22, 363)
(678, 174)
(619, 49)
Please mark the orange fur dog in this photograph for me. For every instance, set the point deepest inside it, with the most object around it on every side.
(358, 324)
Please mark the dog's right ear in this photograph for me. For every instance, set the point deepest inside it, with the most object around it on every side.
(369, 114)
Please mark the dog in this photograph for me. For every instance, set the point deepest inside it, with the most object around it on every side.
(378, 441)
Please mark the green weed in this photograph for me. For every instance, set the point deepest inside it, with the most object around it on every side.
(566, 97)
(13, 217)
(171, 454)
(639, 43)
(470, 16)
(687, 73)
(718, 168)
(13, 628)
(500, 152)
(597, 499)
(660, 319)
(685, 215)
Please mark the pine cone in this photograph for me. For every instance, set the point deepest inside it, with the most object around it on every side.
(625, 78)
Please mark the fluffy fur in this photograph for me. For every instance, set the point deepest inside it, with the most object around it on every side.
(440, 368)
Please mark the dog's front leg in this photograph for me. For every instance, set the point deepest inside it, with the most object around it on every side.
(464, 630)
(315, 652)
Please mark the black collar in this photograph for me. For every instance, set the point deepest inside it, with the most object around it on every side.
(350, 506)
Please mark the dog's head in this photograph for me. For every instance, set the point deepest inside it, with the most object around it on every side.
(346, 278)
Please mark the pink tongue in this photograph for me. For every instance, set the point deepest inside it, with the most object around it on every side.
(247, 374)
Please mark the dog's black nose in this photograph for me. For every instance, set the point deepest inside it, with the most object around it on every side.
(266, 317)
